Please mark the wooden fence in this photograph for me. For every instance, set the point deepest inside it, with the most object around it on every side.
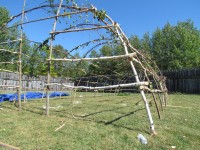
(30, 83)
(184, 81)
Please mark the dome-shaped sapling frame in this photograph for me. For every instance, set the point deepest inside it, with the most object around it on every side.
(102, 22)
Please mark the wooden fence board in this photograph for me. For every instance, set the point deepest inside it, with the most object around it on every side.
(30, 83)
(185, 81)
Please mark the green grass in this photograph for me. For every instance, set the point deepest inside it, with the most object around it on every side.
(101, 122)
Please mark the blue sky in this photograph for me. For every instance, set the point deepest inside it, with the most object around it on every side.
(136, 17)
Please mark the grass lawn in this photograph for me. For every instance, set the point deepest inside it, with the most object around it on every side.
(102, 122)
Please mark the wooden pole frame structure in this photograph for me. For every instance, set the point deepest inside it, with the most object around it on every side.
(132, 57)
(106, 23)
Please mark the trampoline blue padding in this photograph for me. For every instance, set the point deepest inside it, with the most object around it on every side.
(30, 95)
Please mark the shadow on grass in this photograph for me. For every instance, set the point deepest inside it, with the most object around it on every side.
(102, 111)
(120, 117)
(106, 100)
(10, 105)
(111, 122)
(132, 129)
(40, 112)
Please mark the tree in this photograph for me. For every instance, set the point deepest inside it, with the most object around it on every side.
(7, 35)
(146, 43)
(4, 15)
(109, 67)
(135, 42)
(59, 66)
(176, 47)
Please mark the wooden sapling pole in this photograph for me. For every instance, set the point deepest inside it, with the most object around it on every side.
(20, 59)
(51, 17)
(7, 62)
(159, 96)
(59, 127)
(5, 50)
(164, 95)
(97, 58)
(152, 129)
(9, 42)
(108, 87)
(9, 86)
(80, 29)
(7, 146)
(165, 98)
(4, 70)
(154, 98)
(49, 60)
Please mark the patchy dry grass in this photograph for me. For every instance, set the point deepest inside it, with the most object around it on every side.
(101, 122)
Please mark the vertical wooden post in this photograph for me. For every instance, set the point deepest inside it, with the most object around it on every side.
(152, 129)
(49, 60)
(20, 59)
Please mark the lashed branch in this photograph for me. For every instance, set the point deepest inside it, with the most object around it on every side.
(96, 59)
(8, 62)
(9, 42)
(5, 50)
(51, 17)
(4, 70)
(103, 87)
(89, 42)
(81, 29)
(150, 90)
(50, 6)
(14, 86)
(50, 55)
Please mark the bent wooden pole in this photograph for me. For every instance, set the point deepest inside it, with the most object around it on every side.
(152, 129)
(138, 84)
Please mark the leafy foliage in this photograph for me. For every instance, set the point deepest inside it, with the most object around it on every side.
(176, 47)
(6, 35)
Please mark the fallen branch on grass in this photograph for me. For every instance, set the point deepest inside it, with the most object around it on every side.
(4, 145)
(59, 127)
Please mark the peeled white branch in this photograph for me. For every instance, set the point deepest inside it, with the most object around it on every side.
(150, 90)
(14, 86)
(8, 71)
(51, 17)
(109, 87)
(7, 62)
(96, 59)
(81, 29)
(9, 41)
(5, 50)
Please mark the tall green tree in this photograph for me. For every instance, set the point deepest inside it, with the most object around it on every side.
(109, 67)
(135, 42)
(4, 15)
(176, 47)
(6, 35)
